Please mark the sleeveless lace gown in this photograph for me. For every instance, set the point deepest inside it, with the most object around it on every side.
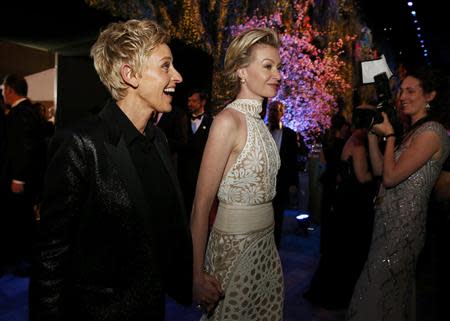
(385, 290)
(241, 251)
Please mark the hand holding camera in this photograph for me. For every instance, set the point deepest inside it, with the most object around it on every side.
(383, 120)
(384, 128)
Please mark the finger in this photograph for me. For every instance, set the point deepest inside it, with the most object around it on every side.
(211, 296)
(377, 128)
(385, 117)
(216, 285)
(207, 294)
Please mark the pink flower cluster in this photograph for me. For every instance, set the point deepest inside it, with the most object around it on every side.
(312, 76)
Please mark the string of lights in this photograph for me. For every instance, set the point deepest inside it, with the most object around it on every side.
(419, 31)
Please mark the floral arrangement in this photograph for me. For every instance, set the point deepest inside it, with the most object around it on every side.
(311, 76)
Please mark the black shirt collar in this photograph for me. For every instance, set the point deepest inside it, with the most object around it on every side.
(129, 131)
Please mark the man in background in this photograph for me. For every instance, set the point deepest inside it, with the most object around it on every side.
(174, 126)
(190, 155)
(22, 172)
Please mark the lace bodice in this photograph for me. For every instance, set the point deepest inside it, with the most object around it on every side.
(252, 178)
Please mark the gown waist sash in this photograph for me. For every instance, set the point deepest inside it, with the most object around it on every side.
(241, 219)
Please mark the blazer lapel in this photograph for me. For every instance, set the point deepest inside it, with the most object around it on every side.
(127, 172)
(167, 161)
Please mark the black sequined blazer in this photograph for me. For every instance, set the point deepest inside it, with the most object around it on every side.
(94, 256)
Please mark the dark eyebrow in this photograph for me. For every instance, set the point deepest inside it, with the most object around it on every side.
(410, 87)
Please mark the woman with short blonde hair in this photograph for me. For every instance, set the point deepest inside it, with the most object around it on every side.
(237, 273)
(131, 42)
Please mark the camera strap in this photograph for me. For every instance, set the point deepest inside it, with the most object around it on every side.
(416, 125)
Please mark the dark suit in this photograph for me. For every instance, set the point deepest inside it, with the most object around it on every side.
(103, 251)
(24, 161)
(287, 176)
(174, 125)
(25, 147)
(190, 158)
(2, 139)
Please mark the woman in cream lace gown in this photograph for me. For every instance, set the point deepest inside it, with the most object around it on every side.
(386, 287)
(238, 275)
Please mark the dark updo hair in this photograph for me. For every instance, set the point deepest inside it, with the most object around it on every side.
(434, 80)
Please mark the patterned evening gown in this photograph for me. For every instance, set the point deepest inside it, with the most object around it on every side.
(386, 287)
(241, 250)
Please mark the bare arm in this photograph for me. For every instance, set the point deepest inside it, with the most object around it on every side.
(221, 143)
(421, 149)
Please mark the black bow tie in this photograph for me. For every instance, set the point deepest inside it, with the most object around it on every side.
(196, 117)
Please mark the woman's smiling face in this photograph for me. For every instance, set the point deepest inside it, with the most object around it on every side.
(262, 75)
(412, 97)
(159, 79)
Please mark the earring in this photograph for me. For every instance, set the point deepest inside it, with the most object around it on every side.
(243, 81)
(427, 106)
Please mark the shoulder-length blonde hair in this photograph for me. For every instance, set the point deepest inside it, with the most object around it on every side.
(130, 42)
(239, 52)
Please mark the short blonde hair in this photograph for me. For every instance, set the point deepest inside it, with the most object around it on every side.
(239, 52)
(130, 42)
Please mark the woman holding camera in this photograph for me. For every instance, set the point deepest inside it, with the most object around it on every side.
(385, 289)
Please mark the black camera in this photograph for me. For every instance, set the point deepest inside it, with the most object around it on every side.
(366, 118)
(363, 118)
(384, 98)
(377, 72)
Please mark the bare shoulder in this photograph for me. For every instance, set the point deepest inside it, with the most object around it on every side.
(229, 129)
(227, 119)
(426, 135)
(431, 137)
(431, 128)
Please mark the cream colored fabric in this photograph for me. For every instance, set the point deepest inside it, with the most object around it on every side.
(238, 219)
(252, 178)
(241, 251)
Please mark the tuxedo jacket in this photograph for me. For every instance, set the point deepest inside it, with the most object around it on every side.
(190, 156)
(174, 125)
(25, 148)
(95, 253)
(2, 142)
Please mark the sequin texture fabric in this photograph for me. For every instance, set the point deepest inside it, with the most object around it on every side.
(385, 289)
